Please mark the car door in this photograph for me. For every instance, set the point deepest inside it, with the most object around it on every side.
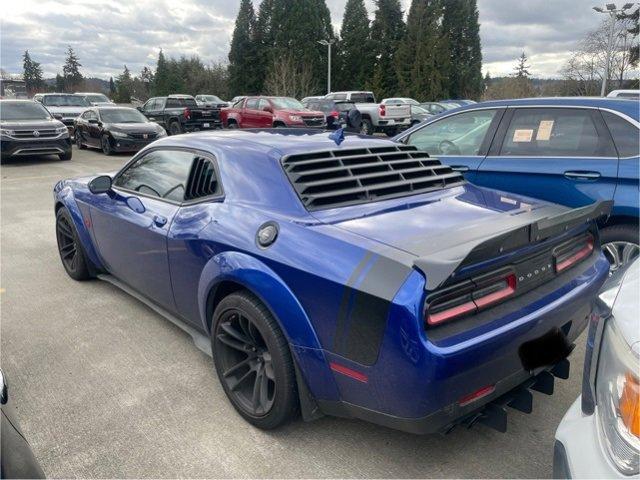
(265, 113)
(560, 154)
(81, 130)
(131, 223)
(460, 140)
(93, 128)
(155, 111)
(250, 118)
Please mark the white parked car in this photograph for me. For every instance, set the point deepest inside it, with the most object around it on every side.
(630, 94)
(599, 436)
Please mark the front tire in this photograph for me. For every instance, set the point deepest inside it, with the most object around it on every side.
(66, 155)
(366, 128)
(105, 143)
(620, 245)
(253, 361)
(78, 140)
(69, 247)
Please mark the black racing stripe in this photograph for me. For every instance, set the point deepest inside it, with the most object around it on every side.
(367, 320)
(346, 295)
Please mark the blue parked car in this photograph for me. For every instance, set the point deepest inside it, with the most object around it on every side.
(571, 151)
(360, 279)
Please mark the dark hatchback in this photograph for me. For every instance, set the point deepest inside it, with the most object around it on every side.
(337, 114)
(115, 129)
(27, 129)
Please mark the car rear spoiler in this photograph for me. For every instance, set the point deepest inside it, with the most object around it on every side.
(437, 266)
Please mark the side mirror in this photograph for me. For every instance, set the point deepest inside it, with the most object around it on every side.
(139, 109)
(101, 184)
(4, 392)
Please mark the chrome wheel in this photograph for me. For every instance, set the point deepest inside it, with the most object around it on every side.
(246, 366)
(620, 254)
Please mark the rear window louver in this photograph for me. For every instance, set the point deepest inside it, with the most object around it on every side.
(203, 181)
(336, 178)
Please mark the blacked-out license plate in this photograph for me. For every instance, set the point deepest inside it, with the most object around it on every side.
(545, 350)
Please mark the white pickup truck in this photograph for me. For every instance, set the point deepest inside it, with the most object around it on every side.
(375, 117)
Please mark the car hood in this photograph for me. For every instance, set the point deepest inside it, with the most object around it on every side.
(626, 306)
(35, 124)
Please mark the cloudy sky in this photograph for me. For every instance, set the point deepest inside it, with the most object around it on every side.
(106, 35)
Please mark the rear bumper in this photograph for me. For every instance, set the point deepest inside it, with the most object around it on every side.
(28, 147)
(578, 451)
(418, 383)
(202, 125)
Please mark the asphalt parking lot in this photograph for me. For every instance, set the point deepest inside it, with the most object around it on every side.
(105, 387)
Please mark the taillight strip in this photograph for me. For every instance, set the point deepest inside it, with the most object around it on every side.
(576, 257)
(463, 309)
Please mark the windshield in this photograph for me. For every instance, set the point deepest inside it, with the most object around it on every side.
(288, 103)
(65, 101)
(210, 98)
(419, 110)
(449, 105)
(23, 111)
(97, 98)
(122, 115)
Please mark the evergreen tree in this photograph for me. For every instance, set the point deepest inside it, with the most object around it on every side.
(32, 74)
(73, 78)
(112, 87)
(59, 83)
(354, 59)
(462, 30)
(160, 83)
(124, 86)
(242, 56)
(296, 27)
(146, 78)
(521, 68)
(263, 38)
(422, 57)
(387, 29)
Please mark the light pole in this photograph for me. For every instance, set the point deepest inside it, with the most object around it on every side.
(613, 11)
(328, 44)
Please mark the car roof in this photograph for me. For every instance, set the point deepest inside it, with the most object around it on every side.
(624, 106)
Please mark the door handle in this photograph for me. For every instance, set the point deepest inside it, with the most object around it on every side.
(582, 175)
(459, 168)
(159, 220)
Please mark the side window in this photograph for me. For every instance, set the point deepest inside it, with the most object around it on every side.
(160, 173)
(149, 105)
(252, 104)
(554, 132)
(85, 115)
(173, 103)
(460, 134)
(262, 104)
(625, 135)
(91, 115)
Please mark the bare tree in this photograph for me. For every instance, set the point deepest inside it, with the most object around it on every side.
(287, 78)
(585, 68)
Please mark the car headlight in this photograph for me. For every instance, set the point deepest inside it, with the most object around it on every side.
(117, 134)
(618, 399)
(295, 118)
(6, 131)
(60, 130)
(161, 132)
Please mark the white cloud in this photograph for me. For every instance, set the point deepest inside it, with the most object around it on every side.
(108, 35)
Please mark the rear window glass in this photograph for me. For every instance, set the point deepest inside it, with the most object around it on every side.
(363, 98)
(181, 102)
(624, 134)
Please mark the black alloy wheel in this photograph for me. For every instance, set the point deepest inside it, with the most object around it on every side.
(105, 143)
(253, 361)
(69, 247)
(78, 140)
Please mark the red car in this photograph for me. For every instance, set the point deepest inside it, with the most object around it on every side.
(268, 112)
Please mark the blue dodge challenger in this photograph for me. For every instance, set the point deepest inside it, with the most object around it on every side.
(353, 277)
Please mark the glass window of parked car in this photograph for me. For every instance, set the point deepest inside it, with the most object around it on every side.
(122, 115)
(362, 97)
(160, 173)
(97, 98)
(90, 115)
(287, 103)
(460, 134)
(252, 104)
(263, 103)
(337, 96)
(181, 102)
(625, 135)
(15, 111)
(64, 101)
(554, 132)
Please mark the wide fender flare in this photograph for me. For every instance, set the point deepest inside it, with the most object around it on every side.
(267, 285)
(67, 199)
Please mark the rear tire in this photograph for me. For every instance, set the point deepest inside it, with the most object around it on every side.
(232, 125)
(620, 244)
(366, 128)
(175, 128)
(69, 247)
(253, 361)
